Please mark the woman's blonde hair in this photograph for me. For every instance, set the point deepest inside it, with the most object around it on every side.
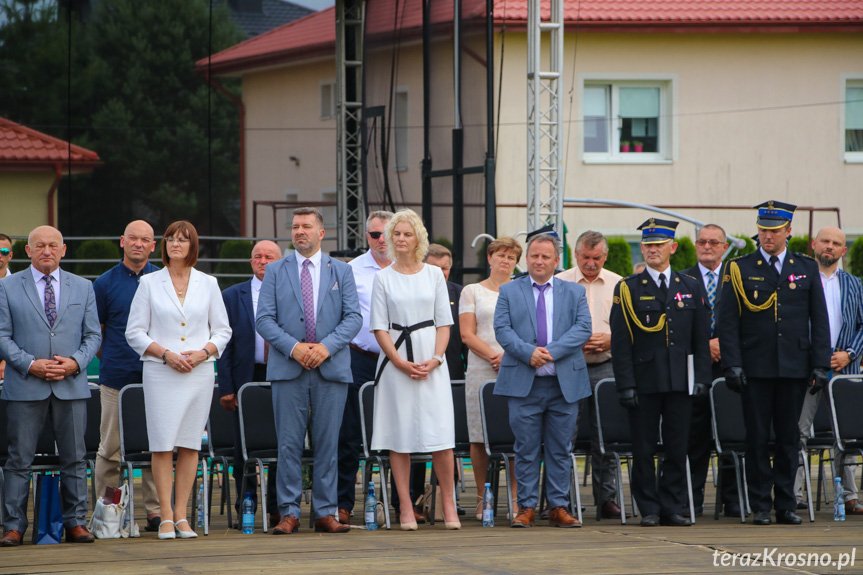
(410, 217)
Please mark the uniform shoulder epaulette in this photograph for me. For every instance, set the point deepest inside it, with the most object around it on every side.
(631, 276)
(739, 257)
(688, 276)
(802, 255)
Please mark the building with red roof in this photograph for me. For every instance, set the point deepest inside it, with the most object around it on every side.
(695, 102)
(31, 166)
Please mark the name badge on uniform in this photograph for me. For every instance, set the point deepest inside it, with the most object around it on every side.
(755, 279)
(647, 298)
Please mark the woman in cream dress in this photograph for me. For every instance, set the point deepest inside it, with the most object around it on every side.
(476, 320)
(179, 325)
(413, 400)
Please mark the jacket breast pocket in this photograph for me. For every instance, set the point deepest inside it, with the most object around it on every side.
(643, 357)
(757, 291)
(648, 311)
(687, 303)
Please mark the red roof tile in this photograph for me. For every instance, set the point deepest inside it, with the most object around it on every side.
(315, 34)
(21, 146)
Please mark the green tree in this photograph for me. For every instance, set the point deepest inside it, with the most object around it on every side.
(234, 249)
(684, 257)
(96, 250)
(20, 260)
(799, 244)
(619, 256)
(737, 252)
(855, 257)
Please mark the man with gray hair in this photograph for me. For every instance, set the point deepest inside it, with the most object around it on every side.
(543, 376)
(591, 251)
(364, 359)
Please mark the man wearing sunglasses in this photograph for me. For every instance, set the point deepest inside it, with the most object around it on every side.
(364, 360)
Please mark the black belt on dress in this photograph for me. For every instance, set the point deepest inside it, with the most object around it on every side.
(405, 338)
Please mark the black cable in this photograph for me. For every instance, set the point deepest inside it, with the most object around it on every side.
(210, 124)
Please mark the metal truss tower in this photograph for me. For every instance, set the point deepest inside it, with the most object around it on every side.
(545, 126)
(350, 16)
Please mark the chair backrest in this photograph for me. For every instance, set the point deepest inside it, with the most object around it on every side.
(462, 437)
(367, 415)
(257, 420)
(93, 430)
(726, 411)
(494, 409)
(846, 397)
(220, 425)
(134, 438)
(822, 423)
(612, 419)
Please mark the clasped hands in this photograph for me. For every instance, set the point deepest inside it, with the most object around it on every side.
(186, 361)
(310, 355)
(417, 370)
(597, 343)
(54, 369)
(540, 357)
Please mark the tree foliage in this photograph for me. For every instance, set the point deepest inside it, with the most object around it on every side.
(855, 257)
(684, 257)
(619, 256)
(96, 250)
(122, 83)
(799, 244)
(737, 252)
(234, 249)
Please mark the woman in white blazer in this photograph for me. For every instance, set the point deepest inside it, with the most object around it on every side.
(179, 325)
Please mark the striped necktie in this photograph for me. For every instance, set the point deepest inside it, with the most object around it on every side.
(711, 299)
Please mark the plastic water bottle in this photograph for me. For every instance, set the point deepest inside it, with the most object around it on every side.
(839, 502)
(487, 507)
(248, 514)
(201, 506)
(371, 508)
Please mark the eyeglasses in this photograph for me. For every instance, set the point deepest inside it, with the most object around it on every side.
(176, 240)
(375, 235)
(5, 252)
(712, 243)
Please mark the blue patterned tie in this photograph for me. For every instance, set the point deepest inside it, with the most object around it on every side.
(711, 299)
(50, 302)
(308, 302)
(541, 325)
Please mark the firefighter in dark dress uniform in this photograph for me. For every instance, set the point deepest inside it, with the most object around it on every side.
(658, 320)
(775, 340)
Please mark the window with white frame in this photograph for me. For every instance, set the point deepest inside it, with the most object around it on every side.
(402, 133)
(291, 195)
(627, 121)
(328, 100)
(854, 120)
(330, 213)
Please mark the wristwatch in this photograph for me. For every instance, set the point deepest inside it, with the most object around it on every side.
(852, 355)
(439, 358)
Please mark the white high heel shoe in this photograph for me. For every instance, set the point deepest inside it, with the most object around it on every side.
(184, 534)
(170, 534)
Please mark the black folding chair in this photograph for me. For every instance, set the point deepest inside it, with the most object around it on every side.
(729, 432)
(821, 444)
(846, 396)
(93, 435)
(615, 439)
(461, 450)
(135, 448)
(220, 435)
(367, 418)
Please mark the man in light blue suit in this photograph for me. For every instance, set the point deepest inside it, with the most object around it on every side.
(542, 324)
(844, 295)
(49, 333)
(308, 311)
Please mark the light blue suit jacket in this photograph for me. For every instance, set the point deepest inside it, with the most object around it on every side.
(515, 331)
(851, 334)
(25, 335)
(280, 319)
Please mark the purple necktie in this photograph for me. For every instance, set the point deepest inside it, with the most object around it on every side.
(50, 301)
(541, 325)
(308, 302)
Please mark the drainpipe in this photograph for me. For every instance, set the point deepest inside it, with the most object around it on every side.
(53, 190)
(241, 112)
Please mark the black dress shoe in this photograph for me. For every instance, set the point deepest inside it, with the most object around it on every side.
(732, 511)
(650, 521)
(675, 520)
(153, 523)
(788, 518)
(802, 505)
(699, 511)
(761, 518)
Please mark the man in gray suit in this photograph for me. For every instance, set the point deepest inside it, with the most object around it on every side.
(542, 323)
(49, 333)
(308, 311)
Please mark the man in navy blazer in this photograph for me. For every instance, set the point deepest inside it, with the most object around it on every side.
(245, 360)
(49, 333)
(308, 312)
(844, 296)
(542, 324)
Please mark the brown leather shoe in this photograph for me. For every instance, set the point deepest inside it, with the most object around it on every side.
(274, 518)
(852, 507)
(524, 517)
(287, 525)
(79, 534)
(610, 510)
(11, 538)
(344, 516)
(330, 524)
(560, 517)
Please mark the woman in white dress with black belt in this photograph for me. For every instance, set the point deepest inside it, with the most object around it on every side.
(413, 400)
(179, 325)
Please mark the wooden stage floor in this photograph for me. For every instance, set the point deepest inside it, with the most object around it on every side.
(601, 547)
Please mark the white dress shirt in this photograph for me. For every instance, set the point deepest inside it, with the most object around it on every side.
(365, 267)
(834, 305)
(259, 341)
(39, 278)
(705, 279)
(655, 275)
(780, 257)
(548, 369)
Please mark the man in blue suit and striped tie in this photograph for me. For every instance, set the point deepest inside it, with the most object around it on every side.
(844, 295)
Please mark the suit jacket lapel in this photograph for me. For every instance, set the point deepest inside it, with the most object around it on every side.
(194, 286)
(65, 295)
(557, 308)
(168, 287)
(848, 318)
(650, 286)
(246, 302)
(527, 292)
(294, 278)
(33, 295)
(327, 281)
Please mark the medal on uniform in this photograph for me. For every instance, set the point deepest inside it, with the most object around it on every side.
(792, 285)
(680, 304)
(647, 318)
(755, 295)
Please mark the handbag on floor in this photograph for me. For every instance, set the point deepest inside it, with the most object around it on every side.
(111, 520)
(425, 502)
(48, 510)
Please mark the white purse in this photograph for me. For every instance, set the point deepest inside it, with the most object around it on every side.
(112, 521)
